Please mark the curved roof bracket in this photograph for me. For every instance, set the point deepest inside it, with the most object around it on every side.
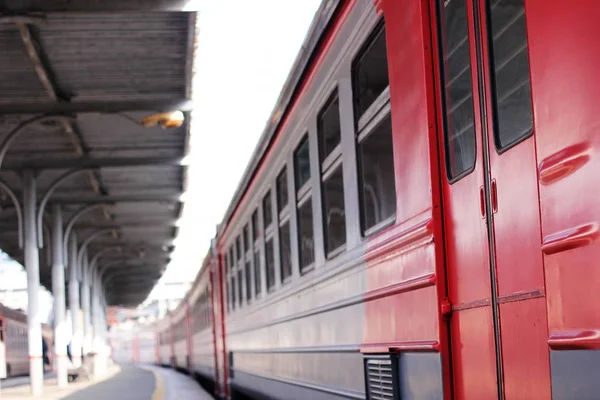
(74, 219)
(18, 209)
(84, 245)
(46, 197)
(12, 135)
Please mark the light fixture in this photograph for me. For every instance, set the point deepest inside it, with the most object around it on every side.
(171, 119)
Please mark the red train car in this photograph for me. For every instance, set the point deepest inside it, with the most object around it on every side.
(13, 335)
(419, 219)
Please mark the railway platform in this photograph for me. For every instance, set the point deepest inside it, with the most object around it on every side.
(125, 382)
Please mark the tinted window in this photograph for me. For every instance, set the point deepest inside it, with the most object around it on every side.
(335, 218)
(233, 300)
(302, 163)
(255, 225)
(377, 185)
(270, 260)
(240, 285)
(458, 93)
(512, 94)
(257, 274)
(248, 281)
(305, 234)
(247, 238)
(370, 72)
(285, 249)
(268, 216)
(282, 190)
(329, 127)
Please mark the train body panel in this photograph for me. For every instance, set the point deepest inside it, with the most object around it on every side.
(13, 334)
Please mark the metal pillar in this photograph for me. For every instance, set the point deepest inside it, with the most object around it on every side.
(100, 351)
(58, 289)
(74, 302)
(85, 305)
(34, 320)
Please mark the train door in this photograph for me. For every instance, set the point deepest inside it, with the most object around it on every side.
(495, 271)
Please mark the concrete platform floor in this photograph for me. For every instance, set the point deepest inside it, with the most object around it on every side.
(123, 383)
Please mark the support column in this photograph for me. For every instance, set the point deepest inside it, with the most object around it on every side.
(85, 305)
(74, 301)
(34, 318)
(100, 362)
(58, 289)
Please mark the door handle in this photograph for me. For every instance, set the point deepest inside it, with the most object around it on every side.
(494, 196)
(482, 201)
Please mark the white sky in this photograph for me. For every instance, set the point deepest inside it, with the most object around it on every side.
(245, 52)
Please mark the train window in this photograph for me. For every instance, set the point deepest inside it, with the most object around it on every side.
(329, 130)
(374, 136)
(267, 211)
(282, 190)
(285, 251)
(332, 176)
(255, 225)
(512, 88)
(377, 187)
(256, 257)
(305, 234)
(240, 284)
(248, 281)
(270, 261)
(248, 265)
(228, 277)
(302, 163)
(370, 72)
(283, 212)
(232, 271)
(458, 90)
(257, 274)
(335, 217)
(247, 238)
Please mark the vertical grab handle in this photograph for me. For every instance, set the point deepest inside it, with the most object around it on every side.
(494, 196)
(482, 201)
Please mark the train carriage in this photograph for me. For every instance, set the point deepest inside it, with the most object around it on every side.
(163, 342)
(181, 338)
(419, 218)
(13, 335)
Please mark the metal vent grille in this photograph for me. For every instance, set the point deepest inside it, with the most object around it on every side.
(379, 379)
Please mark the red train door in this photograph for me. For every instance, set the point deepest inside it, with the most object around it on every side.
(495, 271)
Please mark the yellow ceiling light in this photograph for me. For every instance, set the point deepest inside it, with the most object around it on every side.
(172, 119)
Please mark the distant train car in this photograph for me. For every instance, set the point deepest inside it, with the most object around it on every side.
(13, 333)
(164, 343)
(419, 219)
(134, 346)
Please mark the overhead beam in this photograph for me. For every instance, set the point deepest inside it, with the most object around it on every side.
(87, 162)
(46, 75)
(149, 198)
(105, 107)
(106, 6)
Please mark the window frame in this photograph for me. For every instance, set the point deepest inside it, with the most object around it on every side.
(493, 85)
(328, 165)
(269, 232)
(303, 194)
(367, 123)
(283, 217)
(257, 249)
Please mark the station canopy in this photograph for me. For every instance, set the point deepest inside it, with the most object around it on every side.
(78, 80)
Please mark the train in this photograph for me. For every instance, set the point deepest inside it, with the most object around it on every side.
(13, 339)
(419, 219)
